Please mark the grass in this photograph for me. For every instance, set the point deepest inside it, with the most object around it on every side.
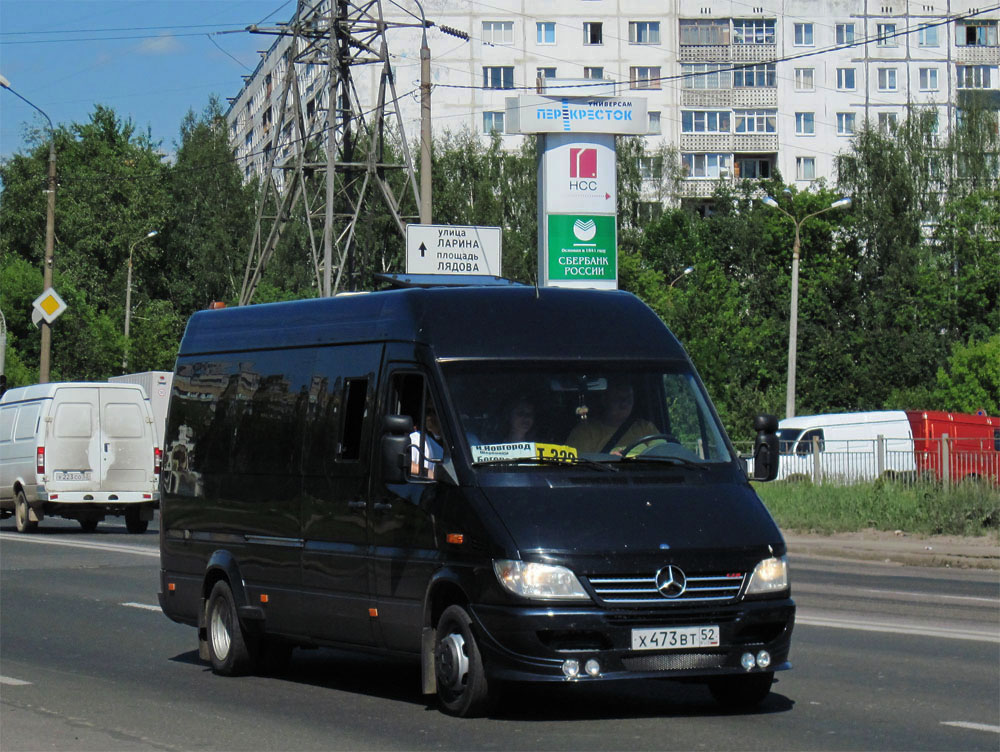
(926, 509)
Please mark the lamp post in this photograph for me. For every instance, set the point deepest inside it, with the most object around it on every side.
(44, 358)
(128, 295)
(793, 317)
(425, 121)
(682, 275)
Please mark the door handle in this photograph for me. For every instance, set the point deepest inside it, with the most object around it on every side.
(382, 506)
(356, 504)
(107, 447)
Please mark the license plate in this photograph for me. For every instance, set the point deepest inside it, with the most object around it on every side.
(71, 475)
(675, 638)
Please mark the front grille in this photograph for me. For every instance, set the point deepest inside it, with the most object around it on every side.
(626, 590)
(680, 662)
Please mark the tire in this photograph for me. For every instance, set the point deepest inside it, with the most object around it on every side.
(741, 692)
(228, 647)
(462, 687)
(134, 522)
(21, 520)
(88, 526)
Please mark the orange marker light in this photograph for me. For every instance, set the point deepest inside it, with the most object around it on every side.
(456, 538)
(171, 587)
(373, 613)
(263, 598)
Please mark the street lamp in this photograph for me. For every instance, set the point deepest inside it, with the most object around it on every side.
(682, 275)
(793, 322)
(425, 121)
(50, 234)
(128, 295)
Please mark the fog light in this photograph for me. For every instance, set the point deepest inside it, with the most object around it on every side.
(747, 661)
(593, 668)
(571, 668)
(763, 659)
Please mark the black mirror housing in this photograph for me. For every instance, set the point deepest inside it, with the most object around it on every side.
(396, 447)
(765, 448)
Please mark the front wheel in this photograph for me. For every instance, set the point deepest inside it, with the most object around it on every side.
(21, 519)
(227, 641)
(461, 680)
(741, 692)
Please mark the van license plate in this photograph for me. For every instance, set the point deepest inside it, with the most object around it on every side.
(71, 475)
(675, 638)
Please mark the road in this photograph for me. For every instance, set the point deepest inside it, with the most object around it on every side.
(885, 658)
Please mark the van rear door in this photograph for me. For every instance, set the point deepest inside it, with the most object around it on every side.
(72, 440)
(126, 441)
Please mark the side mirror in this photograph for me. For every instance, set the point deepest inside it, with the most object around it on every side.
(396, 447)
(765, 448)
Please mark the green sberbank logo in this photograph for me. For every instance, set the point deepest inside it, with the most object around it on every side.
(582, 247)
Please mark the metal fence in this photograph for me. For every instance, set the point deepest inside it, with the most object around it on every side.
(944, 460)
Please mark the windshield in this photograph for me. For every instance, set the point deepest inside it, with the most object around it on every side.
(521, 413)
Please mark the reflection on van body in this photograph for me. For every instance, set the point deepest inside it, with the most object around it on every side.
(433, 472)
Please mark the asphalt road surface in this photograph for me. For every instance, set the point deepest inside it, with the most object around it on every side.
(884, 658)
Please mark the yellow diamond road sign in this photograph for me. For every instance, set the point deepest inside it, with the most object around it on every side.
(48, 306)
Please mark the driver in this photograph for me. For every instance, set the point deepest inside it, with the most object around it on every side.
(614, 427)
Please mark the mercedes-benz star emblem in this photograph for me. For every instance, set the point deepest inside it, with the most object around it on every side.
(671, 582)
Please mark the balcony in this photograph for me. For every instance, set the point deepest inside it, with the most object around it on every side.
(755, 97)
(707, 142)
(707, 98)
(752, 143)
(724, 53)
(977, 55)
(754, 53)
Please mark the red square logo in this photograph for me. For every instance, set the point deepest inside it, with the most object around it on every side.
(583, 162)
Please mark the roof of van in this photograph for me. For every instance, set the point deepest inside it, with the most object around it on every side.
(840, 419)
(464, 322)
(45, 391)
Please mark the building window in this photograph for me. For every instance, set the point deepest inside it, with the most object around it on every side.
(805, 168)
(498, 76)
(928, 79)
(654, 122)
(845, 33)
(493, 121)
(545, 72)
(887, 79)
(845, 123)
(644, 77)
(805, 123)
(974, 76)
(887, 121)
(927, 36)
(753, 31)
(845, 79)
(706, 75)
(705, 165)
(805, 79)
(596, 73)
(249, 138)
(593, 32)
(498, 32)
(755, 76)
(976, 33)
(803, 34)
(753, 168)
(546, 32)
(650, 168)
(704, 31)
(756, 121)
(885, 35)
(644, 32)
(701, 121)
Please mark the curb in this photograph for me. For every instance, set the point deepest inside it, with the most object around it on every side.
(900, 548)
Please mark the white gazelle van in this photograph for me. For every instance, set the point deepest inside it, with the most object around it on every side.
(78, 450)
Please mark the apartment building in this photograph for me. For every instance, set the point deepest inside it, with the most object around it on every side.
(740, 89)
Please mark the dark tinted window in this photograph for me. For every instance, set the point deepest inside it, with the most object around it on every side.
(355, 398)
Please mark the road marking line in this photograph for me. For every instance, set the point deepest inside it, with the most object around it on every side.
(897, 628)
(144, 606)
(11, 682)
(118, 548)
(973, 726)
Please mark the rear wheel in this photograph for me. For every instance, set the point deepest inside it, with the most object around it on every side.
(227, 641)
(134, 522)
(89, 526)
(21, 520)
(461, 680)
(741, 692)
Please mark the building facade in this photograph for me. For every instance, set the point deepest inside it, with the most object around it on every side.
(740, 89)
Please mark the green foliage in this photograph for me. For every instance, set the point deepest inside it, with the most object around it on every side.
(971, 381)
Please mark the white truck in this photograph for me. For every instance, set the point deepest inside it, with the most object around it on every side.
(157, 386)
(78, 450)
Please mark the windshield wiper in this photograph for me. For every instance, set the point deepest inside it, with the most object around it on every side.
(669, 460)
(548, 461)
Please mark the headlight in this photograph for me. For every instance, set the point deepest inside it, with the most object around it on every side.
(530, 580)
(769, 576)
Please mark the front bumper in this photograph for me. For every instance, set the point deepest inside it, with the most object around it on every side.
(533, 643)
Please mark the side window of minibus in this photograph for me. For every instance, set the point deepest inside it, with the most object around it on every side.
(409, 395)
(996, 439)
(805, 445)
(355, 396)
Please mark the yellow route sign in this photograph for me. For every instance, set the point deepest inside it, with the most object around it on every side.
(48, 306)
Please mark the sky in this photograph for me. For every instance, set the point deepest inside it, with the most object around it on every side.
(151, 61)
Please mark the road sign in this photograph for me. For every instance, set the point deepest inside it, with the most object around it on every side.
(453, 249)
(48, 306)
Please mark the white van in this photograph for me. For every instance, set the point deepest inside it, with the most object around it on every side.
(845, 446)
(78, 450)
